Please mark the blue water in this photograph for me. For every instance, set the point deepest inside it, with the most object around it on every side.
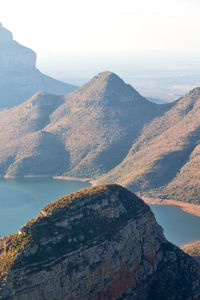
(179, 227)
(23, 199)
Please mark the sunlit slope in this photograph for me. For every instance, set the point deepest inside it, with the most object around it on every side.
(84, 134)
(165, 159)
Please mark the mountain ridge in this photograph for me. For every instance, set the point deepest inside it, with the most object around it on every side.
(162, 161)
(19, 77)
(107, 131)
(98, 121)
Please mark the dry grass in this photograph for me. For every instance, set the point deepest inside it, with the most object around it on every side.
(165, 161)
(84, 135)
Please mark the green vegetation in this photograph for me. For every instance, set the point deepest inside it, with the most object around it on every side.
(84, 226)
(65, 201)
(12, 246)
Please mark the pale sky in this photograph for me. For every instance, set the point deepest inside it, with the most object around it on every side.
(137, 39)
(107, 26)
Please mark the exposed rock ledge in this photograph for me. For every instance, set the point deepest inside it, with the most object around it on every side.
(100, 243)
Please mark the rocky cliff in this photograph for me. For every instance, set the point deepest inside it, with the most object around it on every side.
(13, 55)
(100, 243)
(19, 77)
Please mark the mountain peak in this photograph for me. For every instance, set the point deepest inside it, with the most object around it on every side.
(195, 92)
(107, 77)
(107, 85)
(5, 35)
(43, 100)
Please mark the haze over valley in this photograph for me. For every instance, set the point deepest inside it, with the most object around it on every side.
(114, 136)
(19, 77)
(160, 77)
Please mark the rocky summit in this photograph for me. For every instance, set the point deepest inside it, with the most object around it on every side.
(100, 243)
(19, 77)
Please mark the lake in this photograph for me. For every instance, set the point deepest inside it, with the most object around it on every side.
(179, 227)
(23, 199)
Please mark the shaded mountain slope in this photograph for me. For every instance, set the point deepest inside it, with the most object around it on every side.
(164, 161)
(91, 130)
(25, 147)
(98, 243)
(19, 77)
(193, 249)
(105, 116)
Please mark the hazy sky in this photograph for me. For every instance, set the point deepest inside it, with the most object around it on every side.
(76, 39)
(107, 26)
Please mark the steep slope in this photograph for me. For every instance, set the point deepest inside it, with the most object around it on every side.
(90, 130)
(193, 249)
(19, 77)
(25, 148)
(164, 161)
(98, 243)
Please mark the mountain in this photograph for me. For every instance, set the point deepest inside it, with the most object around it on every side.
(164, 160)
(98, 243)
(156, 100)
(193, 249)
(19, 77)
(84, 134)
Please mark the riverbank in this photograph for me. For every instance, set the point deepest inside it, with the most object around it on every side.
(193, 249)
(192, 209)
(71, 178)
(91, 181)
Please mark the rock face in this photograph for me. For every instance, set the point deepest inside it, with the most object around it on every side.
(100, 243)
(19, 77)
(5, 35)
(14, 56)
(90, 130)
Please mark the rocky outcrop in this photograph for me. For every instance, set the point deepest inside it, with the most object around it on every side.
(14, 56)
(100, 243)
(19, 77)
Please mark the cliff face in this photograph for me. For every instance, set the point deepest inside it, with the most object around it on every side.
(99, 243)
(13, 55)
(19, 77)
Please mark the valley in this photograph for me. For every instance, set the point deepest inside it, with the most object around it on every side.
(60, 237)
